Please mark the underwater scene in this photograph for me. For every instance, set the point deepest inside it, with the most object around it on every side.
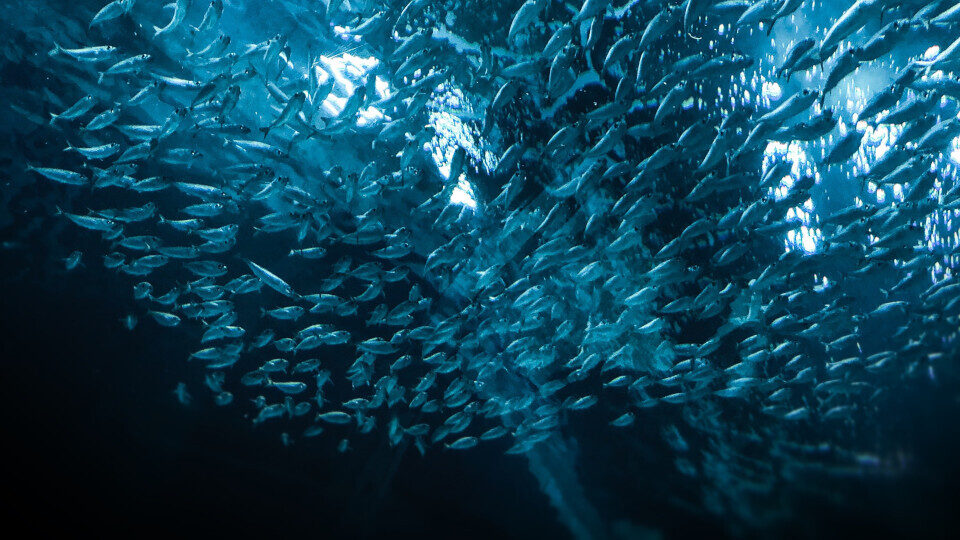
(585, 269)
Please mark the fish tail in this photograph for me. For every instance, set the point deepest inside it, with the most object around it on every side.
(265, 131)
(57, 49)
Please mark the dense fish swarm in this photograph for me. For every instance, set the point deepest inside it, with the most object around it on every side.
(461, 223)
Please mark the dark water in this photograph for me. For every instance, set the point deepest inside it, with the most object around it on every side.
(99, 444)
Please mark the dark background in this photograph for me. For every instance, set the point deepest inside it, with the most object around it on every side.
(96, 442)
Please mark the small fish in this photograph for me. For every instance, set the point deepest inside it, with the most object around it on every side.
(179, 13)
(111, 11)
(292, 108)
(271, 280)
(61, 176)
(86, 54)
(73, 260)
(103, 151)
(78, 109)
(128, 65)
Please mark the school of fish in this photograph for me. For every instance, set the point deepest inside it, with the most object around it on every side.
(452, 223)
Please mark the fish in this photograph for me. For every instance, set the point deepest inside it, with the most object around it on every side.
(292, 108)
(271, 280)
(111, 11)
(659, 25)
(796, 52)
(103, 151)
(844, 66)
(854, 18)
(92, 54)
(78, 109)
(127, 65)
(61, 176)
(793, 106)
(500, 224)
(179, 13)
(526, 14)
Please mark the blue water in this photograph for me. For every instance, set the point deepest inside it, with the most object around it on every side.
(498, 378)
